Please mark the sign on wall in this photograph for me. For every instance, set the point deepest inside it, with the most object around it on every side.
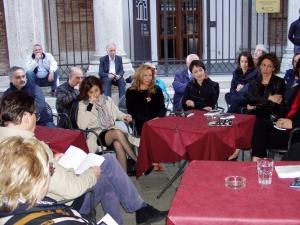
(267, 6)
(142, 30)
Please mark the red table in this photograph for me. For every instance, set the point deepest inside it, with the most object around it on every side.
(60, 139)
(170, 139)
(203, 199)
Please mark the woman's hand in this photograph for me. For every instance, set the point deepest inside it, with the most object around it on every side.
(96, 170)
(251, 107)
(190, 103)
(127, 118)
(207, 108)
(239, 87)
(275, 98)
(284, 123)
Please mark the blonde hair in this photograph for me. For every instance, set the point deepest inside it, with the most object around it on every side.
(139, 75)
(24, 172)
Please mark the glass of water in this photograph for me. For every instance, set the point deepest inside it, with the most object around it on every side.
(265, 169)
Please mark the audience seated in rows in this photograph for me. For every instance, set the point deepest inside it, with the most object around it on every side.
(144, 99)
(111, 71)
(201, 92)
(42, 69)
(181, 79)
(244, 73)
(109, 182)
(98, 111)
(19, 82)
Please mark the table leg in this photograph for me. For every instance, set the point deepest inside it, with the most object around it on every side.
(178, 173)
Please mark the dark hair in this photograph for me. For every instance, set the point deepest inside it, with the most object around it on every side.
(273, 58)
(249, 59)
(87, 84)
(197, 63)
(293, 60)
(13, 106)
(297, 68)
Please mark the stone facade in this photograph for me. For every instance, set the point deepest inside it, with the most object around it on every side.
(4, 59)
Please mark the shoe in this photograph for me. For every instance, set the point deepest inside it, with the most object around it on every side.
(149, 214)
(148, 171)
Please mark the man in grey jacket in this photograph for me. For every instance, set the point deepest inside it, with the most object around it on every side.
(109, 182)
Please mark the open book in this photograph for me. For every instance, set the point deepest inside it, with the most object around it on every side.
(290, 171)
(107, 220)
(78, 160)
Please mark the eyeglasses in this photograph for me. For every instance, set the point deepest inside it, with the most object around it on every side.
(51, 169)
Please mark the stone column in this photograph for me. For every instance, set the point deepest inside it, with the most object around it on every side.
(25, 26)
(108, 27)
(293, 14)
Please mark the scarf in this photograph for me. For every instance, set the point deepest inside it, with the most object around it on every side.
(105, 116)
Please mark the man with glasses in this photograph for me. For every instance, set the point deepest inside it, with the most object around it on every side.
(18, 82)
(68, 92)
(111, 185)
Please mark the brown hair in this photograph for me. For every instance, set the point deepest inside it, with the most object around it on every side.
(273, 58)
(139, 75)
(87, 84)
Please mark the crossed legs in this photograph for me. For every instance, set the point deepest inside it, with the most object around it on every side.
(121, 145)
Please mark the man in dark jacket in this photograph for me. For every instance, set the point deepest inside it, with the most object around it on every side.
(111, 71)
(18, 82)
(294, 34)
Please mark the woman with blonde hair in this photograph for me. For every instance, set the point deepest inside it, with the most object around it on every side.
(24, 179)
(144, 99)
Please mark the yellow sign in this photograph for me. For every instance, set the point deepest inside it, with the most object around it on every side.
(267, 6)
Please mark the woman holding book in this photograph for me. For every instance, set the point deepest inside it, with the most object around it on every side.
(98, 111)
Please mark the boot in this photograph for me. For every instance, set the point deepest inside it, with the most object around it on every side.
(149, 214)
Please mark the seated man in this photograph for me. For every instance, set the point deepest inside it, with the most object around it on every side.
(18, 82)
(112, 188)
(181, 79)
(111, 71)
(68, 92)
(42, 69)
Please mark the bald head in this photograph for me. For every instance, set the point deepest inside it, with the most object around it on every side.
(75, 76)
(190, 58)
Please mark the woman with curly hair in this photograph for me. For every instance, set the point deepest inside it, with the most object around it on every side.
(144, 99)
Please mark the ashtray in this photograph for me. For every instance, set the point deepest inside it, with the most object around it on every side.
(235, 182)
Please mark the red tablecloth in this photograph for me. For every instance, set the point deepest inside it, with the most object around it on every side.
(170, 139)
(203, 199)
(60, 139)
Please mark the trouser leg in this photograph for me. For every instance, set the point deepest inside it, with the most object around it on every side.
(107, 86)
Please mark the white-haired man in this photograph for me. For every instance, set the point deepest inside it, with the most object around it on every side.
(111, 71)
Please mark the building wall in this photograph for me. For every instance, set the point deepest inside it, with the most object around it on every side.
(4, 59)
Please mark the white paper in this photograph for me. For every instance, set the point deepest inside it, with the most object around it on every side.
(290, 171)
(78, 160)
(107, 220)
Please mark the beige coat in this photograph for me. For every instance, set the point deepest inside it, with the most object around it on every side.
(64, 184)
(89, 119)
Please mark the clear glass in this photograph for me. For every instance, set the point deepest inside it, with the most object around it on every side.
(265, 169)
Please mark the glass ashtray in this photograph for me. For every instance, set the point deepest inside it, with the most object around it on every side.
(235, 182)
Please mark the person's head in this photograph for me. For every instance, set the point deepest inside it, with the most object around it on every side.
(111, 50)
(198, 70)
(295, 59)
(91, 87)
(17, 110)
(152, 65)
(268, 64)
(144, 78)
(260, 49)
(245, 61)
(17, 76)
(297, 69)
(37, 48)
(75, 76)
(190, 58)
(24, 172)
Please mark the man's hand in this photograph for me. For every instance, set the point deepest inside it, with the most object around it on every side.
(111, 76)
(51, 76)
(190, 103)
(96, 170)
(239, 87)
(207, 108)
(117, 77)
(284, 123)
(38, 56)
(251, 107)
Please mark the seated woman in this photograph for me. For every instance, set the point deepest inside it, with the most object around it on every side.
(144, 99)
(98, 111)
(244, 73)
(24, 178)
(201, 92)
(265, 94)
(265, 135)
